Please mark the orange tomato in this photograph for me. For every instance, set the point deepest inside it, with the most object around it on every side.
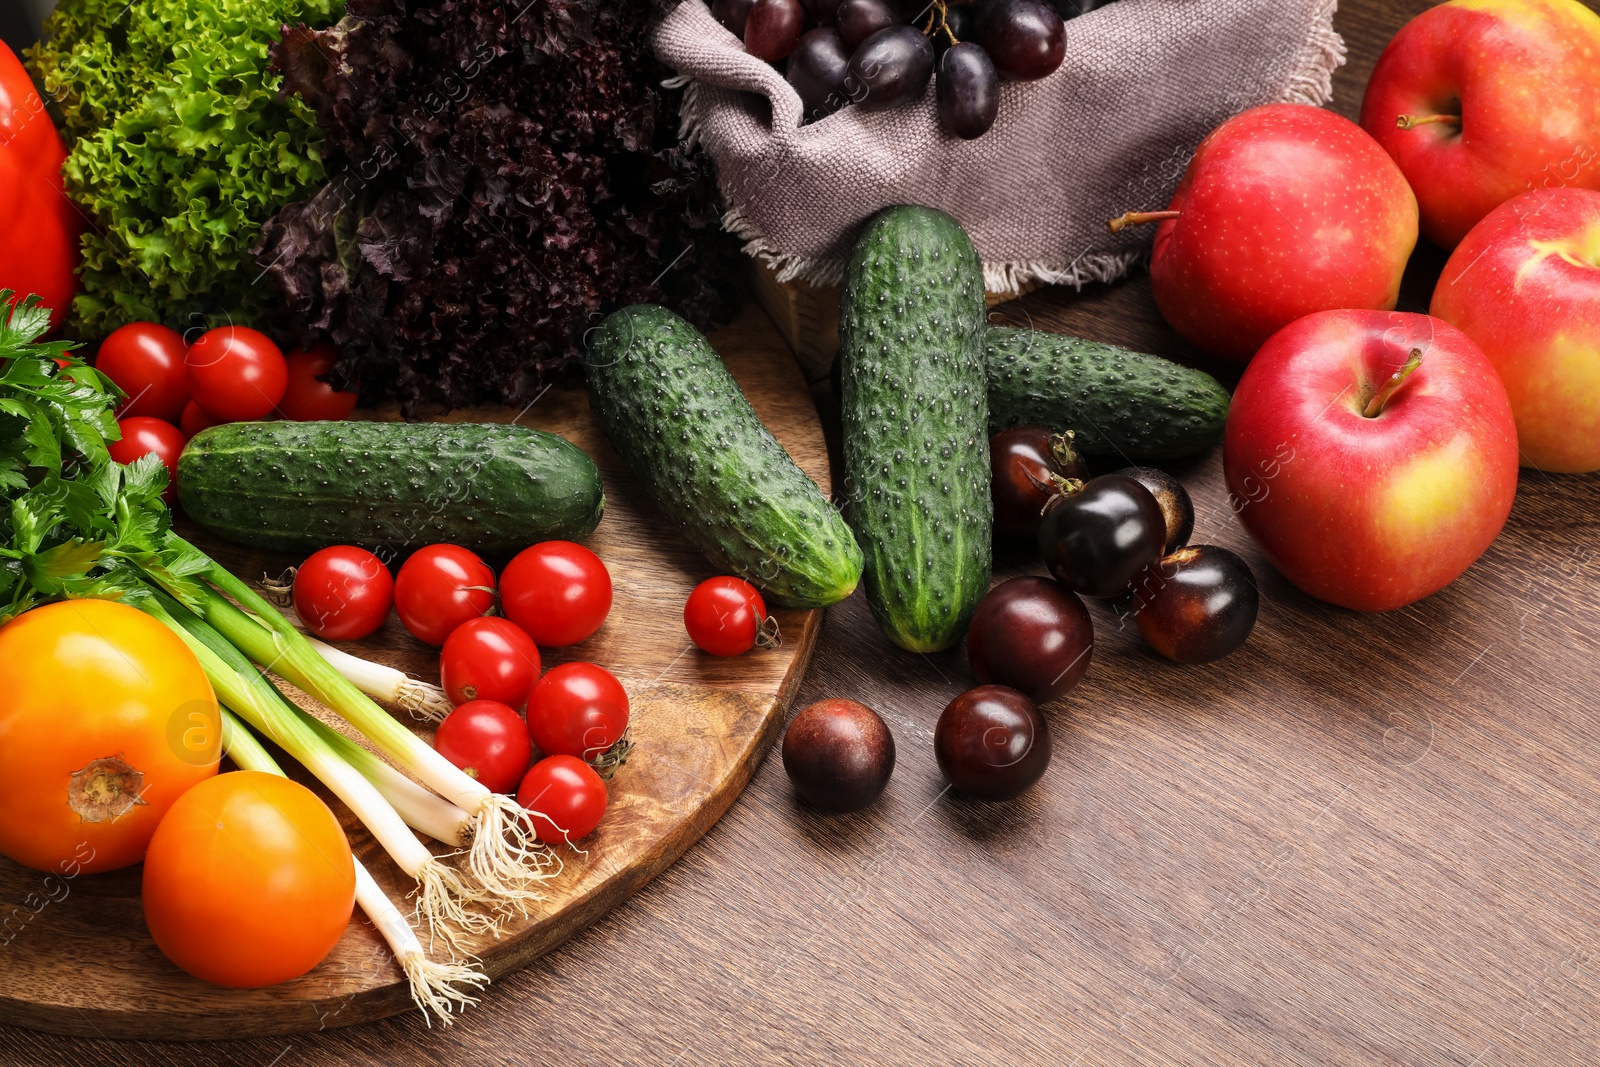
(249, 880)
(106, 719)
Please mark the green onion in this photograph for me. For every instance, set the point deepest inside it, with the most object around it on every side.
(506, 857)
(441, 890)
(436, 988)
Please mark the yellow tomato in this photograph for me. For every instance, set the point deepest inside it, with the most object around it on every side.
(249, 881)
(106, 719)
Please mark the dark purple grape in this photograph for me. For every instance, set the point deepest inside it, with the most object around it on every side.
(1097, 540)
(1197, 604)
(991, 743)
(818, 69)
(1023, 463)
(773, 28)
(860, 19)
(839, 755)
(891, 67)
(733, 14)
(1032, 635)
(1025, 38)
(969, 91)
(1176, 507)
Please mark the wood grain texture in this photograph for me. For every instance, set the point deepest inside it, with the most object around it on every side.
(1361, 840)
(700, 723)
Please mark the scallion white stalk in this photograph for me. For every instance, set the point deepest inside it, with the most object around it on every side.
(385, 684)
(436, 988)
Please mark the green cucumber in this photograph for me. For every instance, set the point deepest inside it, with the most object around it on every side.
(1118, 402)
(675, 414)
(299, 486)
(915, 411)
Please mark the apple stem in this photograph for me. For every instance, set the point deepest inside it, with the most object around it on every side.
(1134, 218)
(1381, 398)
(1411, 122)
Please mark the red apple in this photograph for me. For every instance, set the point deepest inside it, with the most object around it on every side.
(1525, 285)
(1371, 454)
(1479, 100)
(1284, 210)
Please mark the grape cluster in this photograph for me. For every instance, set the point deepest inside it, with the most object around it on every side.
(879, 54)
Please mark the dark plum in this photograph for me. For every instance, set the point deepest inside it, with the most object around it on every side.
(1023, 464)
(1033, 635)
(773, 28)
(838, 754)
(991, 743)
(1025, 38)
(860, 19)
(822, 10)
(891, 67)
(733, 14)
(969, 91)
(1197, 605)
(1097, 540)
(1176, 506)
(1071, 9)
(817, 70)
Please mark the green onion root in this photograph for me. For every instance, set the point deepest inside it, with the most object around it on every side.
(436, 988)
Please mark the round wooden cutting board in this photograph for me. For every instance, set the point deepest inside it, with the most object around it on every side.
(76, 958)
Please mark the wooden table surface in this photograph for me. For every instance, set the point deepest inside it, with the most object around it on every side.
(1360, 840)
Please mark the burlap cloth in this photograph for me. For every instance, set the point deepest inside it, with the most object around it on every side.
(1110, 131)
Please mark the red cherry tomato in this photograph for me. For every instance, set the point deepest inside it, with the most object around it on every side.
(557, 591)
(724, 616)
(305, 399)
(487, 740)
(577, 709)
(146, 361)
(142, 436)
(489, 659)
(343, 593)
(439, 588)
(195, 418)
(566, 796)
(236, 374)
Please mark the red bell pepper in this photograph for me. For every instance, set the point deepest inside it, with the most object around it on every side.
(39, 225)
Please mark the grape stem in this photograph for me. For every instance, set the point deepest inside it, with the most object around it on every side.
(1411, 122)
(940, 10)
(1135, 218)
(1381, 398)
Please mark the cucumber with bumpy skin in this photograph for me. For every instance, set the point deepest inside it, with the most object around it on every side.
(675, 414)
(915, 407)
(301, 486)
(1118, 402)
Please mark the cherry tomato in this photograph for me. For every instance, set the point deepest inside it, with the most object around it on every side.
(488, 741)
(439, 588)
(557, 591)
(577, 709)
(236, 374)
(249, 880)
(343, 593)
(306, 399)
(566, 796)
(106, 719)
(146, 361)
(143, 436)
(489, 659)
(724, 616)
(196, 418)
